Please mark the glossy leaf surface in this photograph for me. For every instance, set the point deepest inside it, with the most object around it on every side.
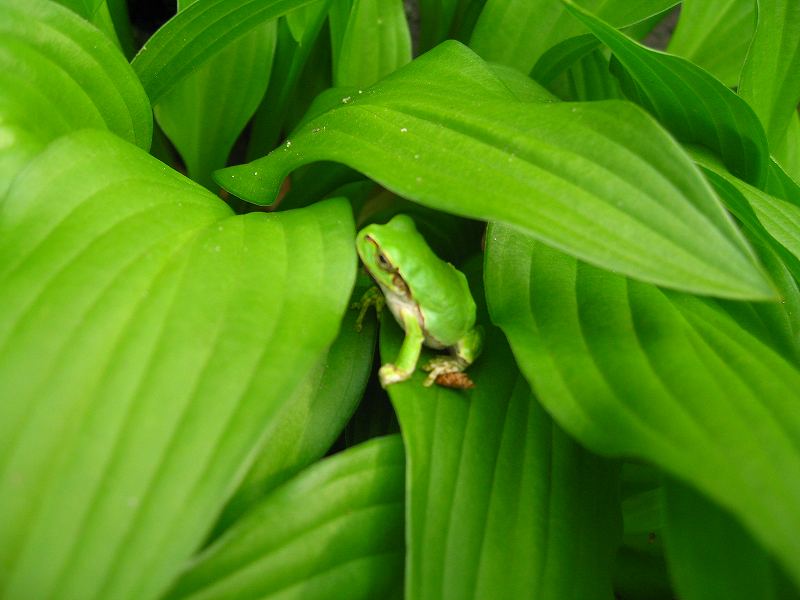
(779, 217)
(601, 180)
(346, 543)
(96, 12)
(196, 34)
(630, 369)
(770, 79)
(715, 36)
(712, 556)
(692, 104)
(517, 32)
(292, 51)
(375, 42)
(205, 112)
(501, 503)
(59, 74)
(313, 418)
(123, 436)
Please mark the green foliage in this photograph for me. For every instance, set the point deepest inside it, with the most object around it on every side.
(187, 407)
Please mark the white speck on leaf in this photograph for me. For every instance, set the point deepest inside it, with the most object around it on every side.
(288, 143)
(346, 99)
(403, 130)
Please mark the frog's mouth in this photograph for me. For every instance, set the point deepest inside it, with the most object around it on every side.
(399, 285)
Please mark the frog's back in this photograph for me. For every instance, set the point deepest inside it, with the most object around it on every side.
(441, 290)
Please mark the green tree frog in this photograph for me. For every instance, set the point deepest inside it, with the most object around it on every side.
(428, 297)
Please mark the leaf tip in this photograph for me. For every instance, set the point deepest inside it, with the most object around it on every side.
(249, 182)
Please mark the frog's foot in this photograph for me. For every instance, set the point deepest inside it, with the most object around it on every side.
(372, 297)
(389, 374)
(441, 369)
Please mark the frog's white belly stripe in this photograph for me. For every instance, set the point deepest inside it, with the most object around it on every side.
(400, 304)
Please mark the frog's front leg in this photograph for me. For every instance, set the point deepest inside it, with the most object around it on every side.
(372, 297)
(406, 361)
(464, 353)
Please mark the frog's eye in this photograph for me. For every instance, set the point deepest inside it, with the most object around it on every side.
(383, 262)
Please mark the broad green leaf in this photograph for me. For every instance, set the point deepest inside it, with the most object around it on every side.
(715, 36)
(147, 340)
(599, 180)
(291, 55)
(521, 87)
(787, 151)
(692, 104)
(589, 79)
(96, 12)
(206, 111)
(59, 74)
(436, 20)
(779, 217)
(517, 32)
(562, 56)
(777, 324)
(196, 34)
(335, 531)
(630, 369)
(780, 184)
(711, 556)
(313, 418)
(774, 323)
(501, 504)
(375, 42)
(770, 79)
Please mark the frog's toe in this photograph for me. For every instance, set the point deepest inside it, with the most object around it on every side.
(441, 365)
(389, 374)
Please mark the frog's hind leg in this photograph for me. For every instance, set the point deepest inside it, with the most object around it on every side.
(469, 347)
(406, 362)
(464, 353)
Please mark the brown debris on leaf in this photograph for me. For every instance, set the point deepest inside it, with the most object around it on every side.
(458, 381)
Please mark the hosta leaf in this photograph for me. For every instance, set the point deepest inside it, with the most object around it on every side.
(630, 369)
(787, 151)
(314, 416)
(770, 79)
(779, 217)
(59, 74)
(692, 104)
(501, 503)
(589, 79)
(517, 32)
(599, 180)
(196, 34)
(778, 323)
(346, 541)
(291, 55)
(436, 20)
(715, 36)
(204, 113)
(148, 338)
(562, 56)
(711, 556)
(376, 42)
(96, 12)
(782, 185)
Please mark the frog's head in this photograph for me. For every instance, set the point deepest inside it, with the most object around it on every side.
(385, 250)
